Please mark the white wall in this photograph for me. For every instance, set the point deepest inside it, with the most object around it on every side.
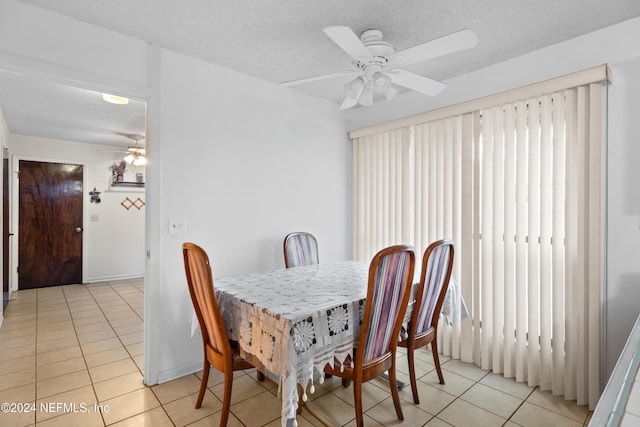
(243, 162)
(612, 45)
(115, 239)
(623, 206)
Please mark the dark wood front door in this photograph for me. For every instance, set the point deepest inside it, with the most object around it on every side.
(50, 224)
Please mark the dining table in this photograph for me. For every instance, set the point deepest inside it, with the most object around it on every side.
(291, 322)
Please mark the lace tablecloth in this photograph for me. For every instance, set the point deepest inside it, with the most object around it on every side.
(292, 321)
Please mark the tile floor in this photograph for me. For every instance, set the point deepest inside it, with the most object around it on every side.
(80, 347)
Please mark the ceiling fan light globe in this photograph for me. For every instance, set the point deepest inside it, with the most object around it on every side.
(391, 93)
(366, 98)
(129, 158)
(140, 161)
(381, 82)
(354, 87)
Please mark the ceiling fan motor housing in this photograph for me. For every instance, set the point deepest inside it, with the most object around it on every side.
(379, 48)
(380, 51)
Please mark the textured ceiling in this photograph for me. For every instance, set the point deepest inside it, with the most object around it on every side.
(282, 41)
(52, 110)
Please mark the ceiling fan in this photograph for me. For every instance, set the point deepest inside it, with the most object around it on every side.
(135, 154)
(377, 64)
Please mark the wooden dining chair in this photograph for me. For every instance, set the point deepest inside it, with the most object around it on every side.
(437, 263)
(300, 249)
(219, 351)
(389, 288)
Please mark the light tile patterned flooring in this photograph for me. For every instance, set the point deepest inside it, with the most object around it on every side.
(81, 347)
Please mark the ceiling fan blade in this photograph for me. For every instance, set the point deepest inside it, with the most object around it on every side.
(349, 42)
(318, 78)
(416, 82)
(348, 103)
(445, 45)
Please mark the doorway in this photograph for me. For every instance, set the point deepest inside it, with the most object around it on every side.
(50, 224)
(112, 238)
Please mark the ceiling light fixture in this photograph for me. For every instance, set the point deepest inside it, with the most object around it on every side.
(135, 155)
(114, 99)
(366, 98)
(377, 62)
(362, 89)
(381, 82)
(136, 159)
(391, 93)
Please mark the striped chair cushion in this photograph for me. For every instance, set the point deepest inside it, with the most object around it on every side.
(389, 288)
(434, 280)
(301, 249)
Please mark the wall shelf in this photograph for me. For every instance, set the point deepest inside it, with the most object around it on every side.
(127, 186)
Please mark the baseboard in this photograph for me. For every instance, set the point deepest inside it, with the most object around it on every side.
(178, 372)
(113, 278)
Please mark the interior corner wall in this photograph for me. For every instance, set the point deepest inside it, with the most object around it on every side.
(114, 236)
(623, 207)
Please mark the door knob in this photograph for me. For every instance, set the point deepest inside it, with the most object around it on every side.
(78, 229)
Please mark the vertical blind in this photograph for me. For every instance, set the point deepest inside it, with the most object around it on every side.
(518, 187)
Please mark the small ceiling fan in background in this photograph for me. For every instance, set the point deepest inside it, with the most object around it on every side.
(377, 64)
(135, 154)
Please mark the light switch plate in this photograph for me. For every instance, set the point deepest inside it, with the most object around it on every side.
(177, 225)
